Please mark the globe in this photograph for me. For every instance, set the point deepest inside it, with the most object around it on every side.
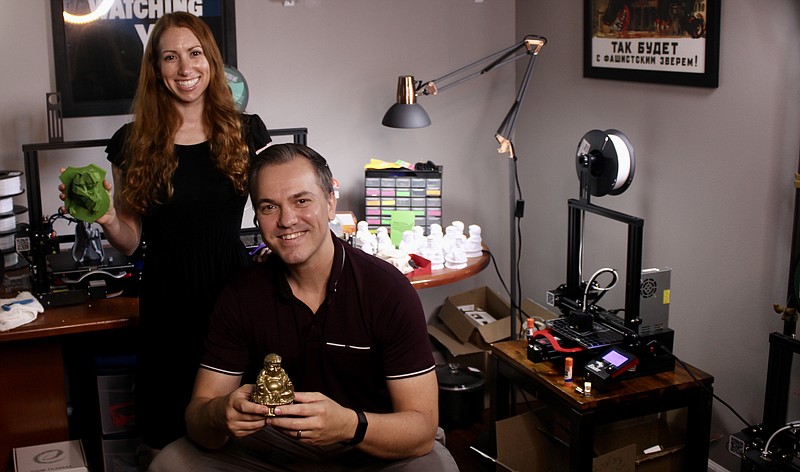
(238, 87)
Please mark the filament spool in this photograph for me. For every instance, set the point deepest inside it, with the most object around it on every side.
(610, 155)
(10, 183)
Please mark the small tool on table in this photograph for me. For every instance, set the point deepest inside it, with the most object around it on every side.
(7, 306)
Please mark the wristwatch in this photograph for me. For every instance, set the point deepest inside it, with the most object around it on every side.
(361, 429)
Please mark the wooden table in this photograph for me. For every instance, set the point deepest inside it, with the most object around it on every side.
(448, 276)
(635, 397)
(33, 404)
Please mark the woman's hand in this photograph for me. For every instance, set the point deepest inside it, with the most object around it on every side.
(260, 253)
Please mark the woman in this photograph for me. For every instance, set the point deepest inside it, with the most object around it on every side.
(180, 172)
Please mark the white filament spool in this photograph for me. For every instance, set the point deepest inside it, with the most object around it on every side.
(608, 158)
(10, 259)
(623, 160)
(6, 242)
(8, 223)
(6, 205)
(10, 182)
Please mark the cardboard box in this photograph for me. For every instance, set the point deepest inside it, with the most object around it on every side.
(471, 354)
(451, 351)
(525, 443)
(348, 222)
(536, 441)
(66, 456)
(663, 433)
(471, 346)
(467, 329)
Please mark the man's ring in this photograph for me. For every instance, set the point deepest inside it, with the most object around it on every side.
(299, 433)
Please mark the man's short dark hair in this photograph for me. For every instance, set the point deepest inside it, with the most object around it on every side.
(283, 153)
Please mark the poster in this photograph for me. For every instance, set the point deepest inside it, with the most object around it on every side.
(97, 62)
(662, 41)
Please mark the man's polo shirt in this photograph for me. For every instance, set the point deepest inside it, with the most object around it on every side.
(369, 329)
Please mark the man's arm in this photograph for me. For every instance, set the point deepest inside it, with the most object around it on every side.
(410, 430)
(220, 409)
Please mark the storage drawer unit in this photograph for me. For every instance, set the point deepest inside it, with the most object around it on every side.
(389, 190)
(115, 393)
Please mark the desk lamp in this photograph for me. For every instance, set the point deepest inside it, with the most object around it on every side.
(407, 113)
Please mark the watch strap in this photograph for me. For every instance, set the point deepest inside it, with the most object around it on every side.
(361, 429)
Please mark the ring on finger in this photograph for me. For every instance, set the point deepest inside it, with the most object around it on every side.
(299, 434)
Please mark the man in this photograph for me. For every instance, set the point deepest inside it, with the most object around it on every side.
(351, 333)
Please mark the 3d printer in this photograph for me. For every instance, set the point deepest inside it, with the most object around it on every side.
(63, 277)
(605, 166)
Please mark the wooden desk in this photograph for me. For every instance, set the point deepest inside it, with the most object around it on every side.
(33, 404)
(633, 398)
(449, 276)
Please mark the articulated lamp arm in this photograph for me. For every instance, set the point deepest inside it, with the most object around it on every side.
(506, 129)
(532, 45)
(406, 113)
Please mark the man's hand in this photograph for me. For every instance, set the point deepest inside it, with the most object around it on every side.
(241, 416)
(220, 409)
(315, 419)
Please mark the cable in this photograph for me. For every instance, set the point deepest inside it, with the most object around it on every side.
(791, 425)
(95, 272)
(518, 214)
(686, 368)
(522, 314)
(545, 333)
(497, 271)
(593, 285)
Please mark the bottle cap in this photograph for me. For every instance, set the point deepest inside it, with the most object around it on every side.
(530, 323)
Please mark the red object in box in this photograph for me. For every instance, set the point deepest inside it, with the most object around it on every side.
(423, 266)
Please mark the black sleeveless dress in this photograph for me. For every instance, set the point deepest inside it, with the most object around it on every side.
(192, 247)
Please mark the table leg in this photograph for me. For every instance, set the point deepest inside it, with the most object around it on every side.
(698, 429)
(500, 395)
(581, 441)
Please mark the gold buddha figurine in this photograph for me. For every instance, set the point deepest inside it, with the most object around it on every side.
(273, 387)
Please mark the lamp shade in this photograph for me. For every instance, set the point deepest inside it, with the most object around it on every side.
(406, 113)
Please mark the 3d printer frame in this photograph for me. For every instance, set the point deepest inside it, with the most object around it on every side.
(652, 351)
(572, 293)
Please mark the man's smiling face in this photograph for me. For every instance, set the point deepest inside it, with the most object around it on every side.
(293, 212)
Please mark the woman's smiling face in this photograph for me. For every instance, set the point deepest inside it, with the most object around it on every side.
(183, 65)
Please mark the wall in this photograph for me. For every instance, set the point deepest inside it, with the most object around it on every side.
(714, 166)
(713, 182)
(330, 66)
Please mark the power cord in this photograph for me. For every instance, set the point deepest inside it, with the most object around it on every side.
(697, 381)
(522, 314)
